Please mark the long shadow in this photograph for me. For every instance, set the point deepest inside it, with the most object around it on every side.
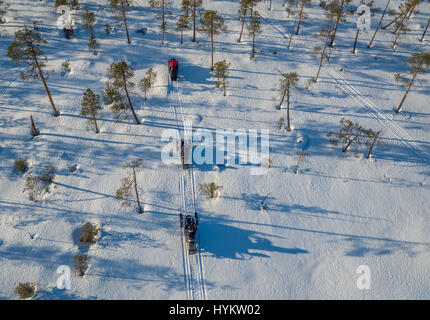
(224, 241)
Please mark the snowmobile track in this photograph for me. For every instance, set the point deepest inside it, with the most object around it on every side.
(389, 124)
(193, 266)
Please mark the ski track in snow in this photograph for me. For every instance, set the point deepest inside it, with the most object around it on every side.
(193, 266)
(389, 124)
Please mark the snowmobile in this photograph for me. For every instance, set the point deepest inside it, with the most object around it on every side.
(173, 69)
(190, 230)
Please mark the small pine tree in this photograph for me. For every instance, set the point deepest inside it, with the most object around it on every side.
(286, 83)
(129, 184)
(147, 82)
(350, 133)
(89, 233)
(195, 6)
(325, 32)
(372, 141)
(182, 25)
(221, 72)
(120, 7)
(91, 107)
(211, 25)
(254, 28)
(116, 92)
(26, 49)
(210, 190)
(418, 63)
(21, 165)
(88, 21)
(336, 9)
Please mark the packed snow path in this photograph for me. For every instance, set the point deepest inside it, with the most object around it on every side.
(193, 268)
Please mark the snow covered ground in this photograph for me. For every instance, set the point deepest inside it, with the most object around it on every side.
(338, 213)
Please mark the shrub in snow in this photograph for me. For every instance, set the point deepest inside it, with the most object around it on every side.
(129, 184)
(281, 123)
(89, 233)
(38, 185)
(21, 165)
(108, 28)
(65, 67)
(210, 190)
(26, 290)
(81, 264)
(147, 82)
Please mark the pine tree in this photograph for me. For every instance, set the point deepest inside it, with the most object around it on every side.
(350, 133)
(337, 6)
(196, 6)
(254, 28)
(286, 83)
(161, 5)
(116, 91)
(183, 24)
(244, 9)
(418, 62)
(301, 157)
(91, 107)
(212, 24)
(129, 184)
(147, 82)
(26, 49)
(88, 20)
(302, 14)
(209, 190)
(221, 72)
(121, 7)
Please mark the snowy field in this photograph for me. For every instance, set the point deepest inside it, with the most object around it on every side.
(337, 213)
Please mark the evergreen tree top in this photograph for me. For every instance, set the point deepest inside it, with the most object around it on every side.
(212, 23)
(25, 46)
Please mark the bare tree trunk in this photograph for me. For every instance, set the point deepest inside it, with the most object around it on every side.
(373, 144)
(135, 190)
(282, 98)
(401, 23)
(129, 100)
(425, 30)
(212, 52)
(241, 29)
(323, 53)
(270, 7)
(355, 42)
(44, 84)
(392, 21)
(288, 107)
(125, 21)
(33, 127)
(95, 122)
(395, 40)
(291, 35)
(194, 19)
(182, 36)
(253, 46)
(162, 22)
(224, 85)
(409, 87)
(300, 17)
(349, 143)
(339, 13)
(379, 24)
